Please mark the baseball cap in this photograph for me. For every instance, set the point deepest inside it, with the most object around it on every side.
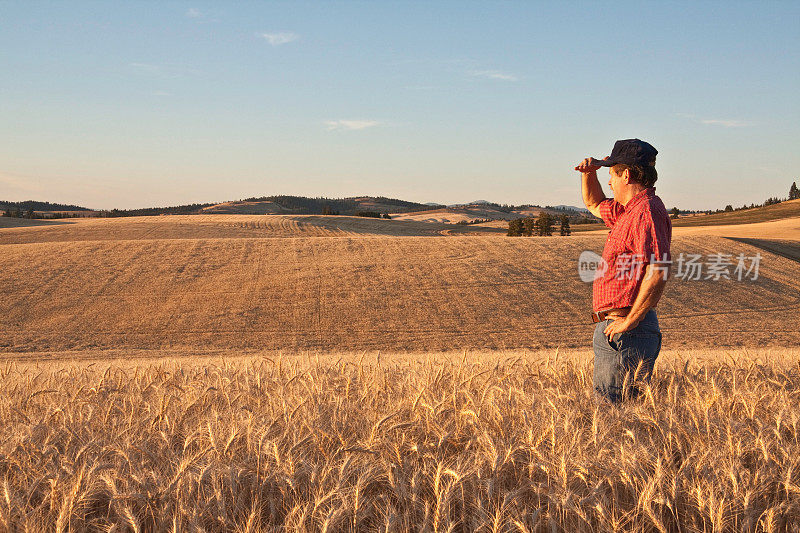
(631, 152)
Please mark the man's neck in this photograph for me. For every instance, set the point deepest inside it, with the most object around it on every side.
(629, 192)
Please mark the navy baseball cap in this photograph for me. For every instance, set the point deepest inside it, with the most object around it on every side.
(631, 152)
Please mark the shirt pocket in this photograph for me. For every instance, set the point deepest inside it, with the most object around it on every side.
(619, 258)
(615, 245)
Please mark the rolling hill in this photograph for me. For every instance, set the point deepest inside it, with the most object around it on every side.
(783, 210)
(301, 205)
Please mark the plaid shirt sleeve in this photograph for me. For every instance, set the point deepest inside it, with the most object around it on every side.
(610, 211)
(652, 240)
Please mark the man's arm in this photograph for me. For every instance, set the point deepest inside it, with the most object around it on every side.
(649, 293)
(590, 185)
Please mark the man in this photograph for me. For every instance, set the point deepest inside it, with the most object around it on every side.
(636, 258)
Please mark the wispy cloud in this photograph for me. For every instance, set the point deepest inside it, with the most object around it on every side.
(145, 67)
(350, 125)
(161, 93)
(198, 16)
(724, 123)
(277, 39)
(493, 75)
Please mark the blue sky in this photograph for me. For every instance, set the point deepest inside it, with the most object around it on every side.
(133, 104)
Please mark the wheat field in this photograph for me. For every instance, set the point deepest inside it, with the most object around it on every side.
(500, 441)
(280, 373)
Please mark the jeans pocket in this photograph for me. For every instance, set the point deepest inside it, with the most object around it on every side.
(639, 349)
(614, 345)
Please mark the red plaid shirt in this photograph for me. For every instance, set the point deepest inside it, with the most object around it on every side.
(640, 234)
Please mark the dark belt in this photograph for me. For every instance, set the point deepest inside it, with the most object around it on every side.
(599, 316)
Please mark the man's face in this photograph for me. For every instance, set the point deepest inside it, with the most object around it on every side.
(614, 179)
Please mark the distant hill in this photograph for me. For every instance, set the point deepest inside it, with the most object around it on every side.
(301, 205)
(187, 209)
(458, 214)
(488, 212)
(784, 209)
(482, 204)
(399, 209)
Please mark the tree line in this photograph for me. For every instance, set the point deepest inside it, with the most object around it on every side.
(542, 226)
(35, 205)
(794, 194)
(15, 212)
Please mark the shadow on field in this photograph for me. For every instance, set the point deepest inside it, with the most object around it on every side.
(783, 248)
(10, 222)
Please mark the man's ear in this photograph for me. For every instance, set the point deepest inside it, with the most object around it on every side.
(626, 175)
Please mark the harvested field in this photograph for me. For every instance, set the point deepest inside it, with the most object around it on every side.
(484, 442)
(786, 229)
(453, 215)
(159, 283)
(224, 227)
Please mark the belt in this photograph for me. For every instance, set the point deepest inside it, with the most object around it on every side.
(599, 316)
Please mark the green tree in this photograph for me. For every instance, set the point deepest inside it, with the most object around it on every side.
(675, 212)
(544, 225)
(728, 208)
(529, 226)
(565, 229)
(794, 192)
(515, 228)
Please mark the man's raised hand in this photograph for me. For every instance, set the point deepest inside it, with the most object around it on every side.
(590, 164)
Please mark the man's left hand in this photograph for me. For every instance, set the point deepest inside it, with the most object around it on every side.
(620, 325)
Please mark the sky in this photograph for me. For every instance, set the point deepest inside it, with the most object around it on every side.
(138, 104)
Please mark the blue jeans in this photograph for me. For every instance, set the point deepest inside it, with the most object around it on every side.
(618, 359)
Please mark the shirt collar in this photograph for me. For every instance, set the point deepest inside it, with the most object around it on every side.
(638, 197)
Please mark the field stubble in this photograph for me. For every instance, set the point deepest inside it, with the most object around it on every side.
(479, 442)
(299, 283)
